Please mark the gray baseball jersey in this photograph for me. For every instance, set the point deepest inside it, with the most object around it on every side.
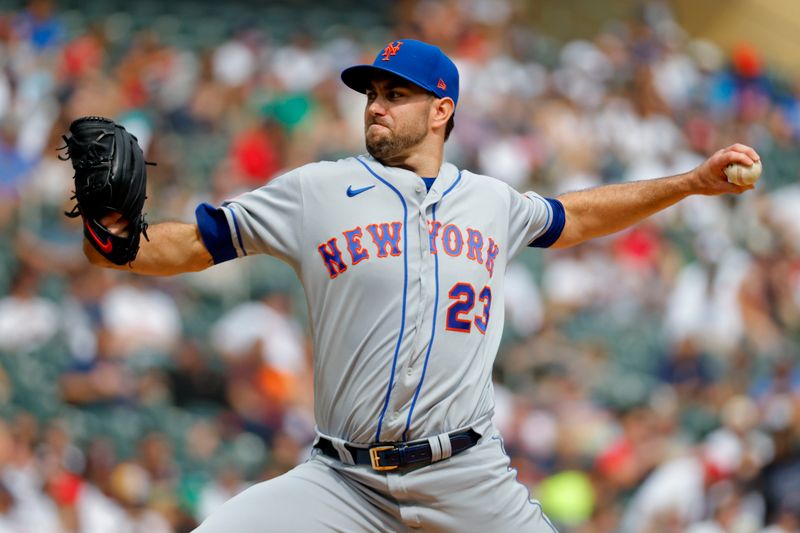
(404, 286)
(405, 294)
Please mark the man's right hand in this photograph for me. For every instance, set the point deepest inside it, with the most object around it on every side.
(116, 224)
(709, 178)
(172, 248)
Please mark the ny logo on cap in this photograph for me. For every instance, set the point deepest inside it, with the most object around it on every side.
(391, 50)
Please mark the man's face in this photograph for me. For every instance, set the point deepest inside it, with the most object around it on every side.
(396, 118)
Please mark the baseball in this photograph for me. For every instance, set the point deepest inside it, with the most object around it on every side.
(743, 175)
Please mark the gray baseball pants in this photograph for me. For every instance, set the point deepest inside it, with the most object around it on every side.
(473, 491)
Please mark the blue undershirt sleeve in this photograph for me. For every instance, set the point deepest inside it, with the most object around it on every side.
(556, 226)
(215, 232)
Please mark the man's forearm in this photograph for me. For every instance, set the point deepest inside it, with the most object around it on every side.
(611, 208)
(604, 210)
(173, 248)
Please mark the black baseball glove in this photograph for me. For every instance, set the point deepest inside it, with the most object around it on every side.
(110, 177)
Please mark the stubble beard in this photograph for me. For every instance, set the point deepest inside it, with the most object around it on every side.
(394, 146)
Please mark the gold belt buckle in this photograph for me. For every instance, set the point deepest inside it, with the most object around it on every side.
(376, 461)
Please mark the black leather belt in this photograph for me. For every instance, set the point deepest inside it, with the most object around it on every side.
(391, 456)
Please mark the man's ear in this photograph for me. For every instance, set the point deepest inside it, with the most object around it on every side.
(441, 111)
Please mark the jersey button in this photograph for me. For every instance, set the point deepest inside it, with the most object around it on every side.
(418, 188)
(410, 371)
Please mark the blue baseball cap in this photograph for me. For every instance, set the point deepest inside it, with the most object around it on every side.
(420, 63)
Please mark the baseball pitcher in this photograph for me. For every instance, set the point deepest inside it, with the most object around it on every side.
(402, 257)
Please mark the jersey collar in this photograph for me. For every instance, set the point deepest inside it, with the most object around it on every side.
(405, 180)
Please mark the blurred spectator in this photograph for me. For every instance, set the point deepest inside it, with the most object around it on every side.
(14, 167)
(573, 280)
(780, 385)
(299, 65)
(97, 511)
(8, 520)
(83, 55)
(686, 368)
(740, 421)
(207, 103)
(38, 25)
(780, 483)
(193, 382)
(139, 318)
(227, 483)
(761, 297)
(23, 477)
(704, 302)
(674, 495)
(27, 320)
(268, 326)
(234, 63)
(256, 154)
(730, 511)
(523, 302)
(131, 486)
(157, 457)
(203, 442)
(631, 456)
(105, 379)
(62, 464)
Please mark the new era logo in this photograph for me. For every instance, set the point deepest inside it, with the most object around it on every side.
(391, 50)
(442, 85)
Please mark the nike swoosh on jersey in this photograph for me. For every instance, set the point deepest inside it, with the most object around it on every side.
(106, 246)
(352, 192)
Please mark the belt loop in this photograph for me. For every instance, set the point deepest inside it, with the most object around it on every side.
(436, 449)
(344, 454)
(444, 442)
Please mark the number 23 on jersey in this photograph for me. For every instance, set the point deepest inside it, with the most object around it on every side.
(463, 295)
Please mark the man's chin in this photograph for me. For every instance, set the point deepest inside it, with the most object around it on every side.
(375, 152)
(378, 146)
(380, 150)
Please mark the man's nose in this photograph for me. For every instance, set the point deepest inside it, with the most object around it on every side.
(376, 107)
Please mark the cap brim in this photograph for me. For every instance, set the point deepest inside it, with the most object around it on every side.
(359, 77)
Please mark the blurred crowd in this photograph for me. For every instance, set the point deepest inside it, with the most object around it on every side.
(647, 382)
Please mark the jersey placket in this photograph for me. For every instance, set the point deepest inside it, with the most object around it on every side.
(427, 288)
(423, 354)
(421, 308)
(425, 319)
(407, 372)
